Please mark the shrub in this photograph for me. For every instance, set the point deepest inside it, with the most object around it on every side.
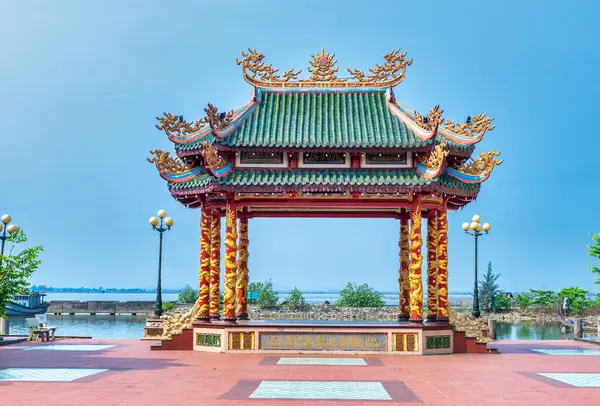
(501, 303)
(168, 306)
(267, 296)
(296, 298)
(188, 295)
(359, 296)
(576, 299)
(524, 300)
(542, 298)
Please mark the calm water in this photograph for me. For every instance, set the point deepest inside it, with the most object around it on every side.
(390, 299)
(101, 326)
(530, 330)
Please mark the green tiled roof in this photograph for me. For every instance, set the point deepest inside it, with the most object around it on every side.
(344, 177)
(329, 120)
(322, 120)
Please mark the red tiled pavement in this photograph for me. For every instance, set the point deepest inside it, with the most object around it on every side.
(139, 376)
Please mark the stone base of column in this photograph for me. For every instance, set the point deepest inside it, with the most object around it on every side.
(403, 317)
(229, 319)
(215, 317)
(242, 316)
(442, 319)
(203, 319)
(431, 317)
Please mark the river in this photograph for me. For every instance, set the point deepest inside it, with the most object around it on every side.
(390, 299)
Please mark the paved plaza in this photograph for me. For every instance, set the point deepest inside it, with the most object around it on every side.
(126, 372)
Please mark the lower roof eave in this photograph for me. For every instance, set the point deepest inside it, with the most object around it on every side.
(187, 194)
(221, 147)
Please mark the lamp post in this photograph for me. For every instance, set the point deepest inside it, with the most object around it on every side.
(476, 230)
(160, 224)
(5, 227)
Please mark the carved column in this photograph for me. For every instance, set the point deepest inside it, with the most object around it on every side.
(242, 276)
(403, 274)
(230, 265)
(215, 266)
(432, 264)
(416, 262)
(205, 225)
(442, 277)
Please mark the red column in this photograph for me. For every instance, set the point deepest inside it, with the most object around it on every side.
(203, 297)
(442, 277)
(403, 279)
(230, 265)
(215, 266)
(242, 276)
(432, 264)
(416, 262)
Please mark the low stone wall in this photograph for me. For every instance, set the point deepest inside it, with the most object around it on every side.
(100, 306)
(323, 312)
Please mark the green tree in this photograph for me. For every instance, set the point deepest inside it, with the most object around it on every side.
(296, 298)
(488, 288)
(168, 306)
(255, 287)
(359, 296)
(576, 299)
(524, 300)
(542, 298)
(187, 295)
(501, 303)
(16, 268)
(594, 251)
(267, 295)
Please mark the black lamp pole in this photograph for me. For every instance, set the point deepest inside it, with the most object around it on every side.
(162, 225)
(8, 228)
(476, 230)
(475, 312)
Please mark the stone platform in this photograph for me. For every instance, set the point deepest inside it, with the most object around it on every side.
(323, 337)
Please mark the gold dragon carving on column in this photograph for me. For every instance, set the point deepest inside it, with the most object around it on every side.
(404, 265)
(230, 264)
(432, 255)
(215, 266)
(205, 233)
(442, 276)
(416, 263)
(242, 275)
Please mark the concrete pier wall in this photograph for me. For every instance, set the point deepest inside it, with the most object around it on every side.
(100, 306)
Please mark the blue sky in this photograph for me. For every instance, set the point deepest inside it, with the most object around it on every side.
(81, 83)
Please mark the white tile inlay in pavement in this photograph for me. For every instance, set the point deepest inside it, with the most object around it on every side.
(581, 380)
(567, 351)
(321, 361)
(71, 347)
(46, 374)
(341, 390)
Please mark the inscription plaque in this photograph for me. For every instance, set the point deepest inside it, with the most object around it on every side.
(323, 341)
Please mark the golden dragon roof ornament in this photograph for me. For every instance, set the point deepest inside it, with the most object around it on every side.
(213, 160)
(323, 72)
(472, 127)
(167, 164)
(484, 164)
(431, 121)
(175, 126)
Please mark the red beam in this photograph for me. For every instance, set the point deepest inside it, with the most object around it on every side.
(326, 214)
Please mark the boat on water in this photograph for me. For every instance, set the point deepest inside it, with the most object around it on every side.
(28, 304)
